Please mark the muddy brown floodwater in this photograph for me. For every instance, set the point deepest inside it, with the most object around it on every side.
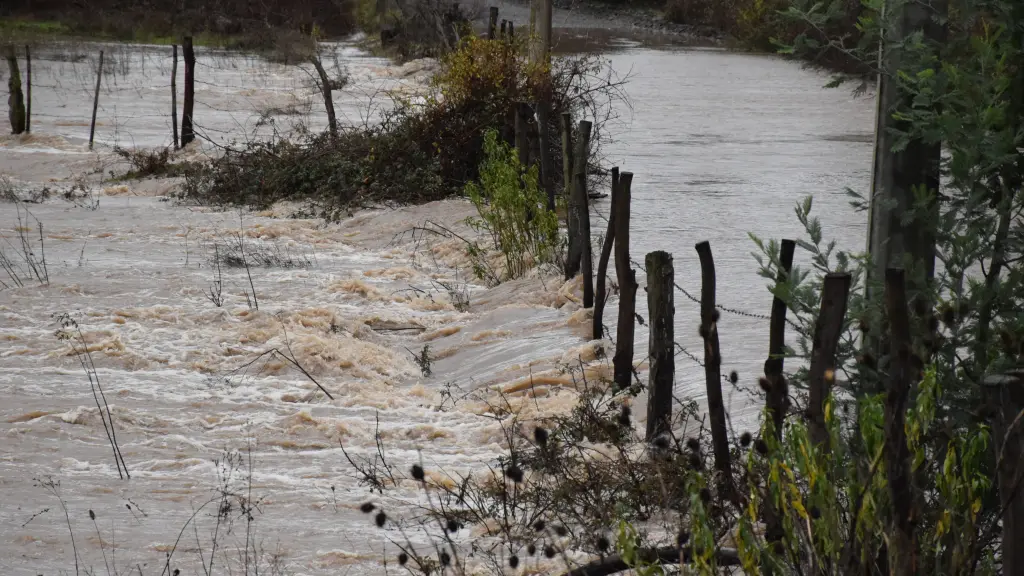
(721, 144)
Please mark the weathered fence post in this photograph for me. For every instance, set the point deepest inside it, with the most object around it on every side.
(504, 26)
(601, 295)
(511, 31)
(566, 154)
(577, 208)
(522, 136)
(897, 454)
(1006, 398)
(187, 129)
(492, 23)
(174, 95)
(582, 212)
(713, 359)
(623, 359)
(326, 90)
(827, 331)
(543, 118)
(28, 89)
(775, 400)
(96, 101)
(15, 98)
(661, 313)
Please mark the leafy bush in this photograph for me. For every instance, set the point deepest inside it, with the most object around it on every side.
(512, 210)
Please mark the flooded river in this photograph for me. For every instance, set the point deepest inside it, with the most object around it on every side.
(720, 144)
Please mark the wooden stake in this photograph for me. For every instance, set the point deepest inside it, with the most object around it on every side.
(96, 101)
(713, 359)
(827, 331)
(492, 23)
(623, 359)
(661, 313)
(566, 154)
(580, 210)
(601, 295)
(774, 365)
(187, 130)
(28, 89)
(174, 95)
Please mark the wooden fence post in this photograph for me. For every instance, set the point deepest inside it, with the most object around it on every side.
(897, 454)
(96, 101)
(174, 95)
(577, 207)
(661, 314)
(492, 23)
(16, 99)
(28, 89)
(187, 129)
(582, 212)
(522, 136)
(504, 26)
(713, 359)
(511, 31)
(1006, 398)
(566, 154)
(623, 359)
(827, 331)
(601, 295)
(546, 182)
(774, 365)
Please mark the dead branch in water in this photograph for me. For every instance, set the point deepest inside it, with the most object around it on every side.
(276, 352)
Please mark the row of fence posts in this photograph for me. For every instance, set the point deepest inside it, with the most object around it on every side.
(24, 124)
(1006, 391)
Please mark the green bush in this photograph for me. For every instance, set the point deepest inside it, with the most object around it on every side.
(512, 210)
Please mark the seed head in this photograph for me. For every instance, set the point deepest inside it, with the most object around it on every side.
(513, 561)
(815, 512)
(602, 544)
(380, 519)
(453, 525)
(403, 558)
(761, 446)
(561, 531)
(367, 507)
(540, 435)
(444, 558)
(705, 495)
(694, 461)
(682, 538)
(661, 442)
(514, 473)
(734, 377)
(92, 515)
(624, 415)
(531, 549)
(745, 439)
(549, 551)
(417, 472)
(539, 525)
(693, 444)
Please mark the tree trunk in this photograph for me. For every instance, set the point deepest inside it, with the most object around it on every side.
(187, 129)
(713, 359)
(623, 360)
(174, 96)
(15, 98)
(325, 89)
(601, 295)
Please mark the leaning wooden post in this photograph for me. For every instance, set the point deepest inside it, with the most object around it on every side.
(713, 359)
(492, 23)
(827, 331)
(28, 89)
(623, 359)
(504, 26)
(174, 95)
(601, 295)
(566, 154)
(96, 101)
(897, 454)
(582, 212)
(660, 314)
(187, 129)
(775, 400)
(1006, 398)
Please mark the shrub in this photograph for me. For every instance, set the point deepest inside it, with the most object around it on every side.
(512, 210)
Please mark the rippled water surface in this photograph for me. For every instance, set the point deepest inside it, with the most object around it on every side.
(720, 144)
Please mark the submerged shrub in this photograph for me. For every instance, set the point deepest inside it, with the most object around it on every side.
(512, 209)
